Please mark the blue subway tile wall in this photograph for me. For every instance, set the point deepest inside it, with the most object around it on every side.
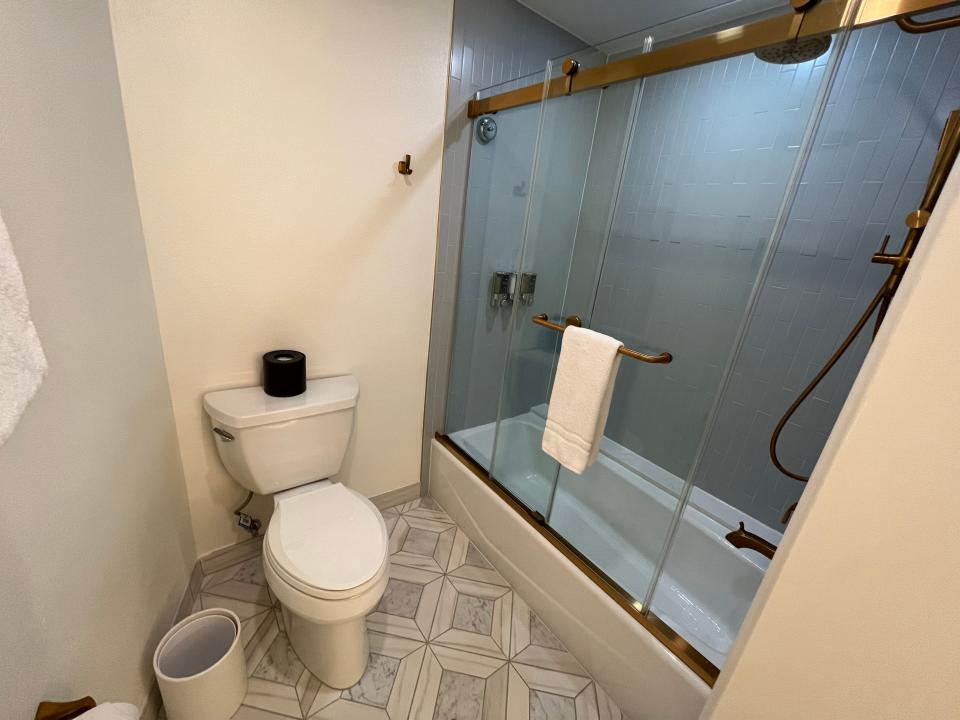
(712, 150)
(494, 41)
(868, 169)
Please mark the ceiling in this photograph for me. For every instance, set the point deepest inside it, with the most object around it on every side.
(597, 21)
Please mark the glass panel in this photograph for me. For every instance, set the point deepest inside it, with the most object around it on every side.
(710, 154)
(868, 168)
(565, 140)
(496, 204)
(651, 211)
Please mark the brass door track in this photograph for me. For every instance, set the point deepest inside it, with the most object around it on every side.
(808, 20)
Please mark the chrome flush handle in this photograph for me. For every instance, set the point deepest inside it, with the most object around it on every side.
(224, 435)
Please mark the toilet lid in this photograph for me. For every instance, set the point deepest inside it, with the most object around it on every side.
(330, 538)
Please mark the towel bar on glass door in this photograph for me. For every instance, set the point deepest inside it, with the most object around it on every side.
(544, 321)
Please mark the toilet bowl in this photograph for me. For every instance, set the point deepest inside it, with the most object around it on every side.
(325, 553)
(325, 558)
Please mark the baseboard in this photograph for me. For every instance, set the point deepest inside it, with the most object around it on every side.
(395, 497)
(153, 703)
(189, 602)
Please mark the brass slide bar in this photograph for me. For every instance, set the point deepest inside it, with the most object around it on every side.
(543, 321)
(823, 18)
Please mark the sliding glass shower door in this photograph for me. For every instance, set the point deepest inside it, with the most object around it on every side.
(725, 213)
(652, 211)
(498, 189)
(565, 141)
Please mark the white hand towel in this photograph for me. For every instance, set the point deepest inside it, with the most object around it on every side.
(22, 363)
(112, 711)
(580, 400)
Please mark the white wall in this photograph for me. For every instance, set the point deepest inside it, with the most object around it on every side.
(95, 541)
(264, 139)
(856, 617)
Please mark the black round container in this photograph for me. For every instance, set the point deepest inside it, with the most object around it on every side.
(284, 373)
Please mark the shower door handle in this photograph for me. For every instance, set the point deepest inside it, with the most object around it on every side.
(544, 321)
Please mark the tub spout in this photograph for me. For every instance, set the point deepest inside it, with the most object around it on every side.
(743, 538)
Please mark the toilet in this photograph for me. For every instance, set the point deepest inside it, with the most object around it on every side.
(325, 551)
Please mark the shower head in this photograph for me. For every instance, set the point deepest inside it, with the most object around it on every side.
(795, 51)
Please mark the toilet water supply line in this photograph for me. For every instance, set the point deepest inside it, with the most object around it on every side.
(248, 523)
(916, 222)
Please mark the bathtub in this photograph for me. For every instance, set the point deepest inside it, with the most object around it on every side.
(618, 514)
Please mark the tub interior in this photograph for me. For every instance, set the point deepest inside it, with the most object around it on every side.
(618, 514)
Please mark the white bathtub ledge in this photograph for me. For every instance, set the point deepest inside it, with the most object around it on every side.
(644, 678)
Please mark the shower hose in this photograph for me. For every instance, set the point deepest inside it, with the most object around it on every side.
(881, 300)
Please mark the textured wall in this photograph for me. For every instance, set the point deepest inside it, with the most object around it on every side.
(95, 537)
(494, 41)
(264, 142)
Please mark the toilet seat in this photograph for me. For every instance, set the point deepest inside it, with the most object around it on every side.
(328, 543)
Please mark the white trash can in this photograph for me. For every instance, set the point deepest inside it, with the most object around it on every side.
(200, 667)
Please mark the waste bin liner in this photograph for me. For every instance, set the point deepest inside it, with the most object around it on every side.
(200, 667)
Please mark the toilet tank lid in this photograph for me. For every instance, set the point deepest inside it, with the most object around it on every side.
(251, 406)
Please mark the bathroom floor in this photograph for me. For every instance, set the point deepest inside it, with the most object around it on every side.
(450, 640)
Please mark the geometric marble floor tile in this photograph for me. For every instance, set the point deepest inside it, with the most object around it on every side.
(466, 562)
(457, 685)
(386, 689)
(409, 603)
(533, 643)
(422, 543)
(473, 616)
(449, 640)
(537, 694)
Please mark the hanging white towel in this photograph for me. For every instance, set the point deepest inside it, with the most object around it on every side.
(580, 400)
(112, 711)
(22, 363)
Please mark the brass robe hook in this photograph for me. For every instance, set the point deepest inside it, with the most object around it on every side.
(403, 167)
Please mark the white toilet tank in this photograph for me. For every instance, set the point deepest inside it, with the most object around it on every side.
(269, 444)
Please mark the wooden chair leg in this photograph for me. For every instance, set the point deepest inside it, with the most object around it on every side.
(64, 710)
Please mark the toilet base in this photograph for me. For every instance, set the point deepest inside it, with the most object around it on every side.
(336, 653)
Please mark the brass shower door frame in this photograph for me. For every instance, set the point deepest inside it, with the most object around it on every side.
(916, 221)
(810, 20)
(666, 635)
